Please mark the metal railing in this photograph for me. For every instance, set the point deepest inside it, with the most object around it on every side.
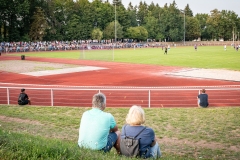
(124, 96)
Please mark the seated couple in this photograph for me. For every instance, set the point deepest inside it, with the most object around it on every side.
(98, 130)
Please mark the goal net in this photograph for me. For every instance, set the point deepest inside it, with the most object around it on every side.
(97, 53)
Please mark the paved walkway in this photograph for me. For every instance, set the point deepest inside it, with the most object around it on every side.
(63, 71)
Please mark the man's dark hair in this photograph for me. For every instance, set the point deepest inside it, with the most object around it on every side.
(22, 90)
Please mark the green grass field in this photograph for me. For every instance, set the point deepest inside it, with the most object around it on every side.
(183, 133)
(206, 56)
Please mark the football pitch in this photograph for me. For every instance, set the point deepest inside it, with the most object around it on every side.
(214, 57)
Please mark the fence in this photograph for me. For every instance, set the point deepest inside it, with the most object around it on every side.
(124, 96)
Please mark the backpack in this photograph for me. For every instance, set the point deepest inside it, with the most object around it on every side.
(21, 98)
(129, 146)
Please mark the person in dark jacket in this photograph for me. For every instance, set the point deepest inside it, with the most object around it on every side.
(23, 98)
(166, 50)
(202, 99)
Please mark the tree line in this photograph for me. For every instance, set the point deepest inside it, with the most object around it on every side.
(38, 20)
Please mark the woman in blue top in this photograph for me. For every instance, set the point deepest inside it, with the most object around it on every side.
(148, 146)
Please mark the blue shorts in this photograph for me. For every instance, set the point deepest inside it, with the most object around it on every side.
(155, 151)
(112, 138)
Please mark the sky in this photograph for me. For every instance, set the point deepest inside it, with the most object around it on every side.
(197, 6)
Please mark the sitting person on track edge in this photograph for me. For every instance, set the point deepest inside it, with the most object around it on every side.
(23, 98)
(202, 99)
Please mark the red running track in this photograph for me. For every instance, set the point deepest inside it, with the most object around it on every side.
(118, 75)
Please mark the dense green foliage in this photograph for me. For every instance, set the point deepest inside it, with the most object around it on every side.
(32, 132)
(24, 20)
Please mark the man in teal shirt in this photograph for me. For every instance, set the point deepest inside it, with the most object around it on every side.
(98, 129)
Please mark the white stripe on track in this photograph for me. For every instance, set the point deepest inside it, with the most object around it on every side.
(122, 87)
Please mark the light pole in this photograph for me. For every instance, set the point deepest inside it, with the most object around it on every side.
(115, 26)
(184, 27)
(233, 35)
(184, 24)
(115, 22)
(238, 37)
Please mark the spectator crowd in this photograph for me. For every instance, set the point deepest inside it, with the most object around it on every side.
(8, 47)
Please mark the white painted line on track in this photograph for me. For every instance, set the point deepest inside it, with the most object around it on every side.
(122, 87)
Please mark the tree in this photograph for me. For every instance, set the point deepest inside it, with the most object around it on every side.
(97, 34)
(227, 24)
(58, 13)
(143, 33)
(123, 17)
(151, 24)
(132, 11)
(188, 11)
(142, 12)
(103, 13)
(154, 25)
(73, 28)
(12, 14)
(76, 19)
(109, 31)
(155, 10)
(84, 9)
(212, 23)
(39, 25)
(171, 23)
(137, 33)
(193, 28)
(202, 19)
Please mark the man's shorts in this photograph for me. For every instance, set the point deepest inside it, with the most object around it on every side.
(200, 105)
(24, 102)
(112, 138)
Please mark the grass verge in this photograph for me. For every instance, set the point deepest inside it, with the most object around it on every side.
(183, 133)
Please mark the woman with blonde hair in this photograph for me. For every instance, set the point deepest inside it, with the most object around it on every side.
(148, 146)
